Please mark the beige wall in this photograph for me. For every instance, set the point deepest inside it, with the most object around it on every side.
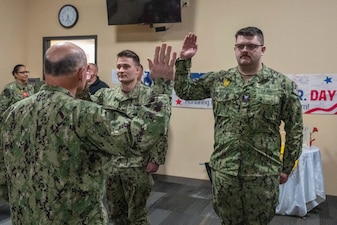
(300, 38)
(13, 28)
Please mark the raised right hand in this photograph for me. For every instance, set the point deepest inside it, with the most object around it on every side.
(190, 47)
(162, 65)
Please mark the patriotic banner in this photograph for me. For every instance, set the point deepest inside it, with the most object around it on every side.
(200, 104)
(317, 93)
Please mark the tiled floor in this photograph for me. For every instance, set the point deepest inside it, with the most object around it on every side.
(4, 213)
(182, 201)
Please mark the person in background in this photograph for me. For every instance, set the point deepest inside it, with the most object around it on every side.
(55, 149)
(140, 73)
(144, 78)
(130, 181)
(38, 84)
(249, 103)
(94, 82)
(16, 90)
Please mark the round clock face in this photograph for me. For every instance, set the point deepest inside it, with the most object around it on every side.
(68, 16)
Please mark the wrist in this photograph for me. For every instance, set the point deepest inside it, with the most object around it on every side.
(183, 58)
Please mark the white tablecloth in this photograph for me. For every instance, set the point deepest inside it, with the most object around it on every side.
(304, 189)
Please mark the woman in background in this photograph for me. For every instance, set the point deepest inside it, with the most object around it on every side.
(16, 90)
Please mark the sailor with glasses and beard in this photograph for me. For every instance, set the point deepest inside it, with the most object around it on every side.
(249, 103)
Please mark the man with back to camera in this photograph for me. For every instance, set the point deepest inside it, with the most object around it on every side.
(249, 103)
(55, 148)
(94, 82)
(130, 182)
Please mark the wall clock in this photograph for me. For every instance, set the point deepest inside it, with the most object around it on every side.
(68, 16)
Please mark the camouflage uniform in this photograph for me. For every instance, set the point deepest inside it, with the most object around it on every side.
(38, 85)
(56, 149)
(245, 162)
(14, 92)
(129, 185)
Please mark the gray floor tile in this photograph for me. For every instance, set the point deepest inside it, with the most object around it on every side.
(154, 196)
(157, 216)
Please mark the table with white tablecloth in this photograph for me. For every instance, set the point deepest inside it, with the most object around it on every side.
(304, 189)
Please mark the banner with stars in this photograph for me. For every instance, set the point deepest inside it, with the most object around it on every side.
(317, 93)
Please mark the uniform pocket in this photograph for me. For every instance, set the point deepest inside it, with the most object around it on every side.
(225, 102)
(267, 105)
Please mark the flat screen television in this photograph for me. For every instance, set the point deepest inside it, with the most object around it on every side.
(122, 12)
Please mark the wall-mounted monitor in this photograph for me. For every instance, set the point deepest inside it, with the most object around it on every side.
(122, 12)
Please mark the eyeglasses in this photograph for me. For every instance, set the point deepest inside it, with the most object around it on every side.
(249, 47)
(23, 72)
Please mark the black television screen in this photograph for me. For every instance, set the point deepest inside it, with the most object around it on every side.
(121, 12)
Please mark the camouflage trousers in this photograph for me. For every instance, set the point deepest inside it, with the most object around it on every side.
(127, 191)
(4, 193)
(245, 200)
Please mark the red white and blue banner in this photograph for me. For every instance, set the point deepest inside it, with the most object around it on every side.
(317, 93)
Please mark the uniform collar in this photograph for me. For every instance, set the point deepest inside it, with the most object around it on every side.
(263, 74)
(21, 86)
(133, 94)
(49, 88)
